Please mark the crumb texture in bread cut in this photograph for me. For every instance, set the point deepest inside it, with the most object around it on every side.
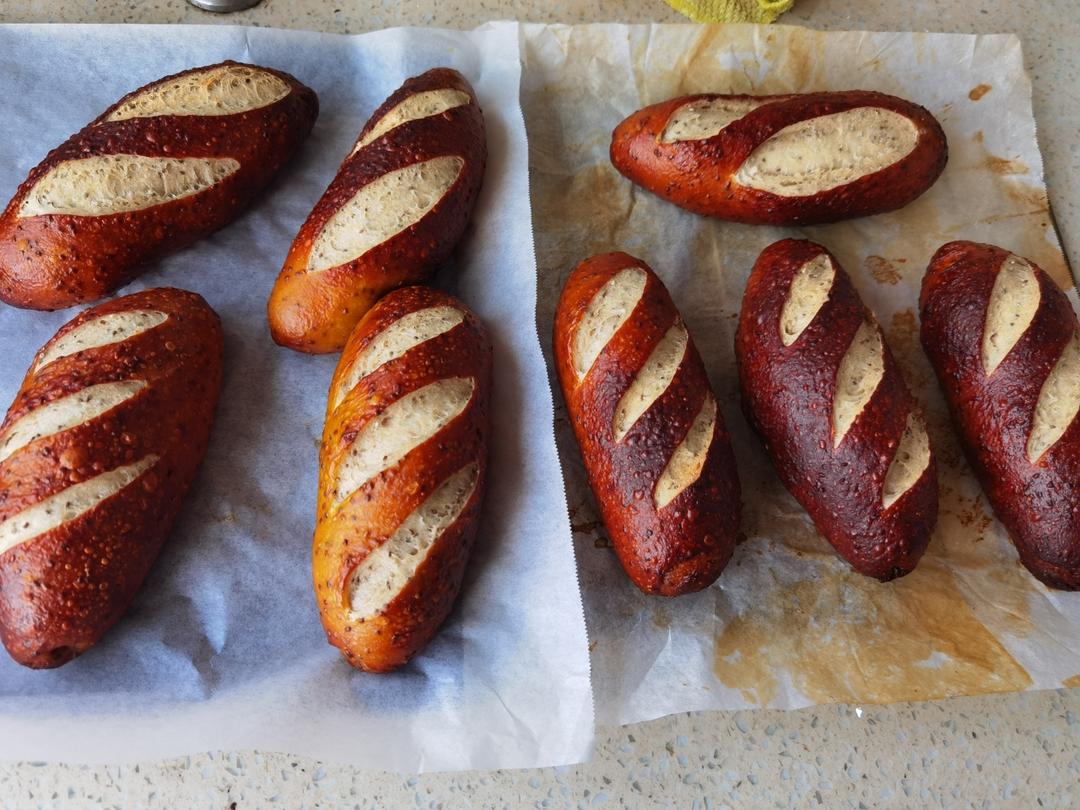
(857, 378)
(69, 504)
(701, 119)
(822, 153)
(1059, 401)
(415, 107)
(103, 331)
(403, 425)
(908, 464)
(808, 293)
(219, 90)
(652, 380)
(686, 463)
(382, 209)
(407, 332)
(607, 311)
(1014, 300)
(114, 184)
(67, 412)
(383, 573)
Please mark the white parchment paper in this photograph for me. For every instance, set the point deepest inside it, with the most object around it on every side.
(223, 648)
(788, 624)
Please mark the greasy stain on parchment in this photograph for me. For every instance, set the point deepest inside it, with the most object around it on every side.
(842, 637)
(1072, 681)
(978, 91)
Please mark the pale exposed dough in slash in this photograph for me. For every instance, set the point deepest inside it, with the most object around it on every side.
(381, 575)
(651, 381)
(68, 504)
(861, 369)
(1014, 300)
(704, 118)
(222, 90)
(113, 328)
(383, 208)
(822, 153)
(404, 425)
(808, 293)
(606, 313)
(686, 463)
(399, 337)
(1059, 401)
(416, 106)
(113, 184)
(67, 412)
(911, 459)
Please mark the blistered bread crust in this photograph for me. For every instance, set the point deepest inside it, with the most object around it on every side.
(790, 393)
(1033, 487)
(53, 257)
(62, 589)
(395, 501)
(315, 311)
(702, 174)
(671, 511)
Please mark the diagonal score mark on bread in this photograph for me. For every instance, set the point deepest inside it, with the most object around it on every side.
(69, 504)
(383, 573)
(419, 105)
(1058, 403)
(221, 90)
(404, 334)
(113, 184)
(808, 293)
(686, 463)
(404, 425)
(104, 331)
(1014, 300)
(67, 412)
(651, 381)
(911, 459)
(704, 118)
(828, 151)
(607, 311)
(857, 378)
(383, 208)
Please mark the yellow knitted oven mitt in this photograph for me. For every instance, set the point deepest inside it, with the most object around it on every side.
(752, 11)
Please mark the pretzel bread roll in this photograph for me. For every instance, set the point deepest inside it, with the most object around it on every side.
(654, 443)
(96, 453)
(823, 391)
(164, 166)
(1005, 345)
(397, 207)
(783, 160)
(402, 471)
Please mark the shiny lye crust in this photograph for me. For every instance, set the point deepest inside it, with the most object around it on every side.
(788, 397)
(700, 175)
(1038, 502)
(683, 545)
(61, 590)
(352, 525)
(315, 310)
(52, 261)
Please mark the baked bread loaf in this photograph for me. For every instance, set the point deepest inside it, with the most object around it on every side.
(402, 470)
(1005, 345)
(398, 205)
(96, 453)
(783, 160)
(821, 388)
(653, 440)
(164, 166)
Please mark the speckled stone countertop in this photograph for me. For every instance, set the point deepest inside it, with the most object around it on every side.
(1011, 751)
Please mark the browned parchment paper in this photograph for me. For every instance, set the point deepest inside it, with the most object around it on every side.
(788, 624)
